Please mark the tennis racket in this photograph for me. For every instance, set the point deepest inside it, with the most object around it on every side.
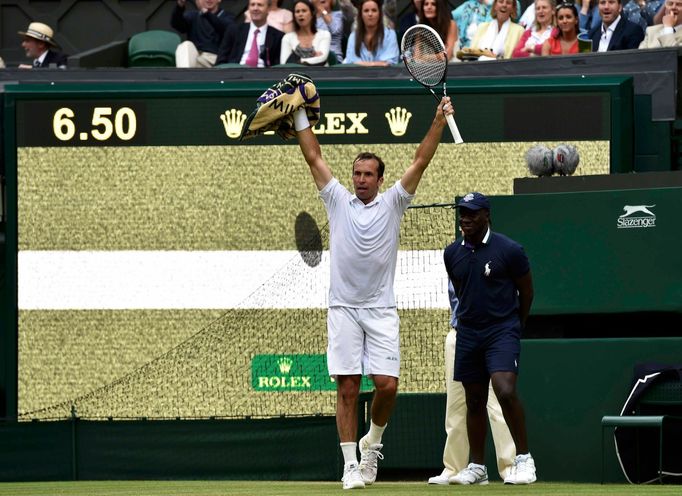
(427, 62)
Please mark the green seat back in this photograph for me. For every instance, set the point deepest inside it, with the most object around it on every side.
(155, 48)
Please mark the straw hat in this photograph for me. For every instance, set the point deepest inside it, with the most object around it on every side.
(41, 32)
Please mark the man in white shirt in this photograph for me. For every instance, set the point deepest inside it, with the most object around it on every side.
(669, 33)
(362, 320)
(614, 33)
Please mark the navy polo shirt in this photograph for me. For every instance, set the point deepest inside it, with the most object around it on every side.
(483, 278)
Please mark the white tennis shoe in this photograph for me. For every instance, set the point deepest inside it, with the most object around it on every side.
(351, 476)
(442, 479)
(472, 474)
(522, 471)
(369, 456)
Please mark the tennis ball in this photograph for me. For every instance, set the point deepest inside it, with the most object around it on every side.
(566, 159)
(540, 161)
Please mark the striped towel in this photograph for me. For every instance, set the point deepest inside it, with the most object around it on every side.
(275, 108)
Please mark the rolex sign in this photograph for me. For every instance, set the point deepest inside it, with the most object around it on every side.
(294, 373)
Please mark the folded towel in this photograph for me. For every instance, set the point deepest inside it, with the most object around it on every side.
(275, 108)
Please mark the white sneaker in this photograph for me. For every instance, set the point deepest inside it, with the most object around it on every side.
(473, 474)
(522, 471)
(369, 453)
(351, 476)
(442, 479)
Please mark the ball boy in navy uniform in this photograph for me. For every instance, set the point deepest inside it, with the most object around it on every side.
(492, 280)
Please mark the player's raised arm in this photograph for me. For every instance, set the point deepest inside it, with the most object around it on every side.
(427, 147)
(312, 152)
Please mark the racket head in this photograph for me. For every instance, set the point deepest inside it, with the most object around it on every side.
(424, 55)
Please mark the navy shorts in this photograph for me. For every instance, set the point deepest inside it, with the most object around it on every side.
(480, 353)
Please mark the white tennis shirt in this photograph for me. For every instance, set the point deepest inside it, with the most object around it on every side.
(363, 245)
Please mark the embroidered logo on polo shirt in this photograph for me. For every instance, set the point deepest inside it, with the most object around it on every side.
(486, 272)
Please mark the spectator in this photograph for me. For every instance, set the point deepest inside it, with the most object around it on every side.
(532, 39)
(642, 12)
(2, 63)
(564, 39)
(589, 15)
(372, 44)
(615, 33)
(305, 45)
(409, 18)
(468, 17)
(252, 43)
(278, 18)
(434, 13)
(38, 43)
(669, 33)
(205, 28)
(350, 13)
(332, 21)
(500, 35)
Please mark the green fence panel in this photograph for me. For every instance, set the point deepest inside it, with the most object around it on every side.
(601, 251)
(36, 451)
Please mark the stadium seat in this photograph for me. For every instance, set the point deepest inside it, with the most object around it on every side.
(155, 48)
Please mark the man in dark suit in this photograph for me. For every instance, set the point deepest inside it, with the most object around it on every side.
(252, 43)
(38, 43)
(615, 32)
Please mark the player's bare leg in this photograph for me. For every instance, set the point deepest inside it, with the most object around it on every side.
(347, 391)
(385, 391)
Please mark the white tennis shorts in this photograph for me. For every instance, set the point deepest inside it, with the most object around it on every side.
(363, 341)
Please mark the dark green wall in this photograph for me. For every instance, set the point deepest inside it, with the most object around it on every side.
(566, 387)
(267, 449)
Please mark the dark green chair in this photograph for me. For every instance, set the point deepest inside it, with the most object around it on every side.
(155, 48)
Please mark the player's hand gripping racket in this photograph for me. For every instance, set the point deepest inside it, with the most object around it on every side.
(427, 61)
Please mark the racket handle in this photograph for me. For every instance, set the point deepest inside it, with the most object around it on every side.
(453, 129)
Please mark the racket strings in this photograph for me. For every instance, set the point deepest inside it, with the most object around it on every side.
(424, 57)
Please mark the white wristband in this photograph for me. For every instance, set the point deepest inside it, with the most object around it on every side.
(301, 121)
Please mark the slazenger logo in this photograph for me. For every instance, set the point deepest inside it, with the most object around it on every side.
(636, 216)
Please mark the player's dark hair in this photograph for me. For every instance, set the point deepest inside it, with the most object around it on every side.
(371, 156)
(360, 30)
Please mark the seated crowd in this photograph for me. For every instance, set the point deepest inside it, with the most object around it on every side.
(366, 33)
(363, 32)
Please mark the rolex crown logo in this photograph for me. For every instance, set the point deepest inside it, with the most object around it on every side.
(285, 364)
(398, 118)
(233, 120)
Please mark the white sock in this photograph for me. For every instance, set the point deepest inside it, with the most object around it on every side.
(301, 121)
(350, 452)
(375, 433)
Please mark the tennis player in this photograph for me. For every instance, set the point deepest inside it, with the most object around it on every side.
(362, 321)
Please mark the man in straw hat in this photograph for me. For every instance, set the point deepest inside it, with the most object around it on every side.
(38, 43)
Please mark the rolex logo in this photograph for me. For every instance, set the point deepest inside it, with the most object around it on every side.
(233, 120)
(285, 364)
(398, 118)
